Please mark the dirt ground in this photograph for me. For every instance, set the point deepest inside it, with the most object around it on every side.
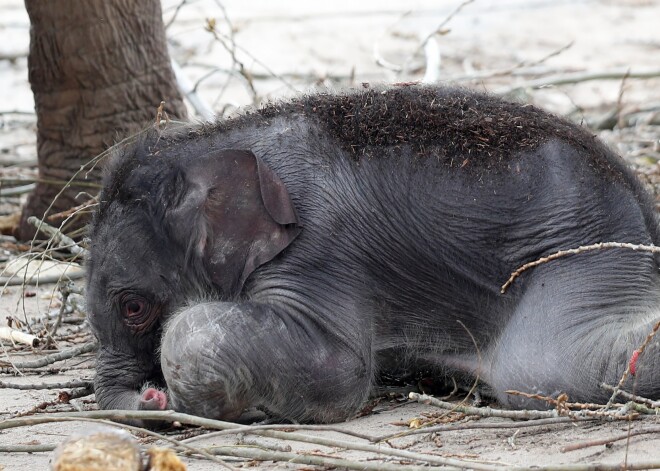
(503, 46)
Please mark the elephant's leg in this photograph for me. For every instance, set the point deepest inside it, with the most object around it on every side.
(574, 329)
(219, 358)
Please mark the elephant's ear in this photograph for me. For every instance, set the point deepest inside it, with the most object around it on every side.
(236, 213)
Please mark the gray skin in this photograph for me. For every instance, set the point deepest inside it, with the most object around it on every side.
(288, 258)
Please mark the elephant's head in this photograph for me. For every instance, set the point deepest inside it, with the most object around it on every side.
(167, 231)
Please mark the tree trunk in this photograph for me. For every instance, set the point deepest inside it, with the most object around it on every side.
(98, 70)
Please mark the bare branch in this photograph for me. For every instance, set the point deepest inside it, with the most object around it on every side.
(567, 79)
(607, 441)
(75, 383)
(581, 249)
(55, 357)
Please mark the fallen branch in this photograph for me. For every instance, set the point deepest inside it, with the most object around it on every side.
(283, 427)
(557, 402)
(566, 79)
(55, 357)
(484, 411)
(60, 239)
(606, 441)
(631, 397)
(479, 426)
(581, 249)
(75, 383)
(75, 210)
(26, 448)
(41, 280)
(17, 190)
(171, 416)
(440, 29)
(317, 460)
(234, 451)
(518, 414)
(13, 335)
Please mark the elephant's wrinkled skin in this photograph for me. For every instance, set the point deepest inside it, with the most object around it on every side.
(286, 258)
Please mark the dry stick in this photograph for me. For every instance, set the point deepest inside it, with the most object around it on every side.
(513, 414)
(7, 333)
(43, 279)
(632, 397)
(510, 70)
(69, 212)
(281, 427)
(55, 357)
(17, 190)
(566, 79)
(440, 28)
(581, 249)
(619, 101)
(176, 13)
(210, 27)
(639, 353)
(217, 424)
(247, 53)
(193, 420)
(26, 448)
(497, 426)
(75, 383)
(64, 290)
(316, 460)
(555, 402)
(605, 441)
(483, 411)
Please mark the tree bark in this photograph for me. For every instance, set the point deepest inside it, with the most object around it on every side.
(98, 70)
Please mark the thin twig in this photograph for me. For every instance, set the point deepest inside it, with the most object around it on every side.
(441, 27)
(176, 13)
(316, 460)
(231, 49)
(605, 441)
(26, 448)
(567, 79)
(517, 414)
(281, 427)
(510, 70)
(478, 425)
(631, 397)
(555, 402)
(581, 249)
(90, 203)
(55, 357)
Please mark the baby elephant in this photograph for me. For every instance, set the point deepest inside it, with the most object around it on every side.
(289, 257)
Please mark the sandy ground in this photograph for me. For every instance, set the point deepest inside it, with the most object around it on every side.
(293, 46)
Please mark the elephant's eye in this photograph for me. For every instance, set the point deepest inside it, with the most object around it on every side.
(138, 313)
(134, 308)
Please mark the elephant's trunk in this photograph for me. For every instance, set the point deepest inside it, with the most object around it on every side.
(120, 378)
